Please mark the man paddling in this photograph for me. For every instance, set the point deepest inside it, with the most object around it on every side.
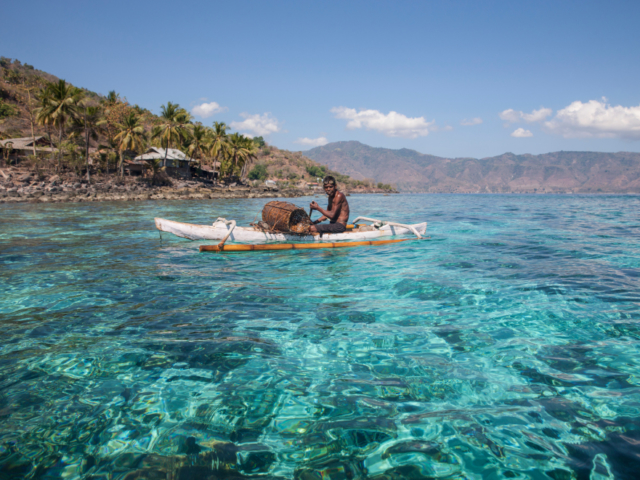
(337, 211)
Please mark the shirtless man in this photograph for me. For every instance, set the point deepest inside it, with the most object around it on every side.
(337, 211)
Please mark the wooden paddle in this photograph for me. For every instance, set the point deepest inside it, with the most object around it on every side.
(295, 246)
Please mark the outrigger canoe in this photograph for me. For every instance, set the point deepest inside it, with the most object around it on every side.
(223, 229)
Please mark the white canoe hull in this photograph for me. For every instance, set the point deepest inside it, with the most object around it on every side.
(250, 235)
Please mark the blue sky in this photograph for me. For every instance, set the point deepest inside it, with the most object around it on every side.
(525, 77)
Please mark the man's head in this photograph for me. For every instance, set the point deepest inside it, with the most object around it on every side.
(329, 185)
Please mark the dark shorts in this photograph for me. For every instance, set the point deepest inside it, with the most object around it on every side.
(330, 228)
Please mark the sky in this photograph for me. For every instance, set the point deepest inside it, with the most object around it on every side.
(453, 79)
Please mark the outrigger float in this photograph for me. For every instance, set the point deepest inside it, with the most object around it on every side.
(284, 222)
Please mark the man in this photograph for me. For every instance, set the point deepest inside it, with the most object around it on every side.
(337, 211)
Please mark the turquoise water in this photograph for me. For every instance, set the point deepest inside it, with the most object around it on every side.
(506, 346)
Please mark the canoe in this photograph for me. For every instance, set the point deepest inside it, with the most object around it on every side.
(219, 231)
(266, 247)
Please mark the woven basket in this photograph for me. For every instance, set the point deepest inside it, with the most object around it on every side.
(286, 217)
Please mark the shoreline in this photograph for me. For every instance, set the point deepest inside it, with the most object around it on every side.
(145, 193)
(28, 189)
(163, 194)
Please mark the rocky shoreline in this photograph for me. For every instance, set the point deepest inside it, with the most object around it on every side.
(27, 187)
(104, 192)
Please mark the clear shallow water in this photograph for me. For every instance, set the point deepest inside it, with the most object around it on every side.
(507, 346)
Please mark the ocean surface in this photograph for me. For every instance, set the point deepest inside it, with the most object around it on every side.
(505, 346)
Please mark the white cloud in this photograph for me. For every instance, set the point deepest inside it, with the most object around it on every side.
(596, 119)
(205, 110)
(510, 115)
(471, 122)
(537, 115)
(312, 142)
(257, 124)
(521, 133)
(515, 116)
(393, 124)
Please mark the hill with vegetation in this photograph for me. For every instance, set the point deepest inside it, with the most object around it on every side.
(558, 172)
(88, 133)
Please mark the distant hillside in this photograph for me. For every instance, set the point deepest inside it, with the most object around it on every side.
(411, 171)
(20, 84)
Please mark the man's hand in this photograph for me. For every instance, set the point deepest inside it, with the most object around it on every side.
(314, 205)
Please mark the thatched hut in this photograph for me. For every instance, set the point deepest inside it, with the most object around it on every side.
(177, 162)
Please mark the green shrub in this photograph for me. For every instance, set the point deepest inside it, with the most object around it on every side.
(259, 141)
(140, 110)
(12, 76)
(317, 170)
(6, 110)
(259, 172)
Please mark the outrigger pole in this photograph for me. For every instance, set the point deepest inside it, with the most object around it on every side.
(294, 246)
(226, 222)
(384, 222)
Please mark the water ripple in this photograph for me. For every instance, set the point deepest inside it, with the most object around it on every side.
(506, 346)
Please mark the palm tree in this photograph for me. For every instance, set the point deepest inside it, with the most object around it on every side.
(176, 125)
(250, 152)
(111, 148)
(239, 150)
(59, 104)
(198, 138)
(131, 136)
(44, 118)
(197, 142)
(218, 143)
(112, 98)
(90, 125)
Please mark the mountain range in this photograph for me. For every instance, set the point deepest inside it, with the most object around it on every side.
(557, 172)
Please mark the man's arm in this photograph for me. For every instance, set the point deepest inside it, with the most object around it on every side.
(338, 200)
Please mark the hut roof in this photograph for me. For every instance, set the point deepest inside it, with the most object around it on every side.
(26, 143)
(154, 153)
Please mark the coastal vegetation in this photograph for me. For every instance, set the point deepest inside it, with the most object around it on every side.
(74, 130)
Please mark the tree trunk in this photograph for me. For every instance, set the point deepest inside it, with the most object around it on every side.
(166, 151)
(199, 163)
(33, 134)
(215, 159)
(86, 140)
(50, 139)
(60, 149)
(235, 162)
(121, 163)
